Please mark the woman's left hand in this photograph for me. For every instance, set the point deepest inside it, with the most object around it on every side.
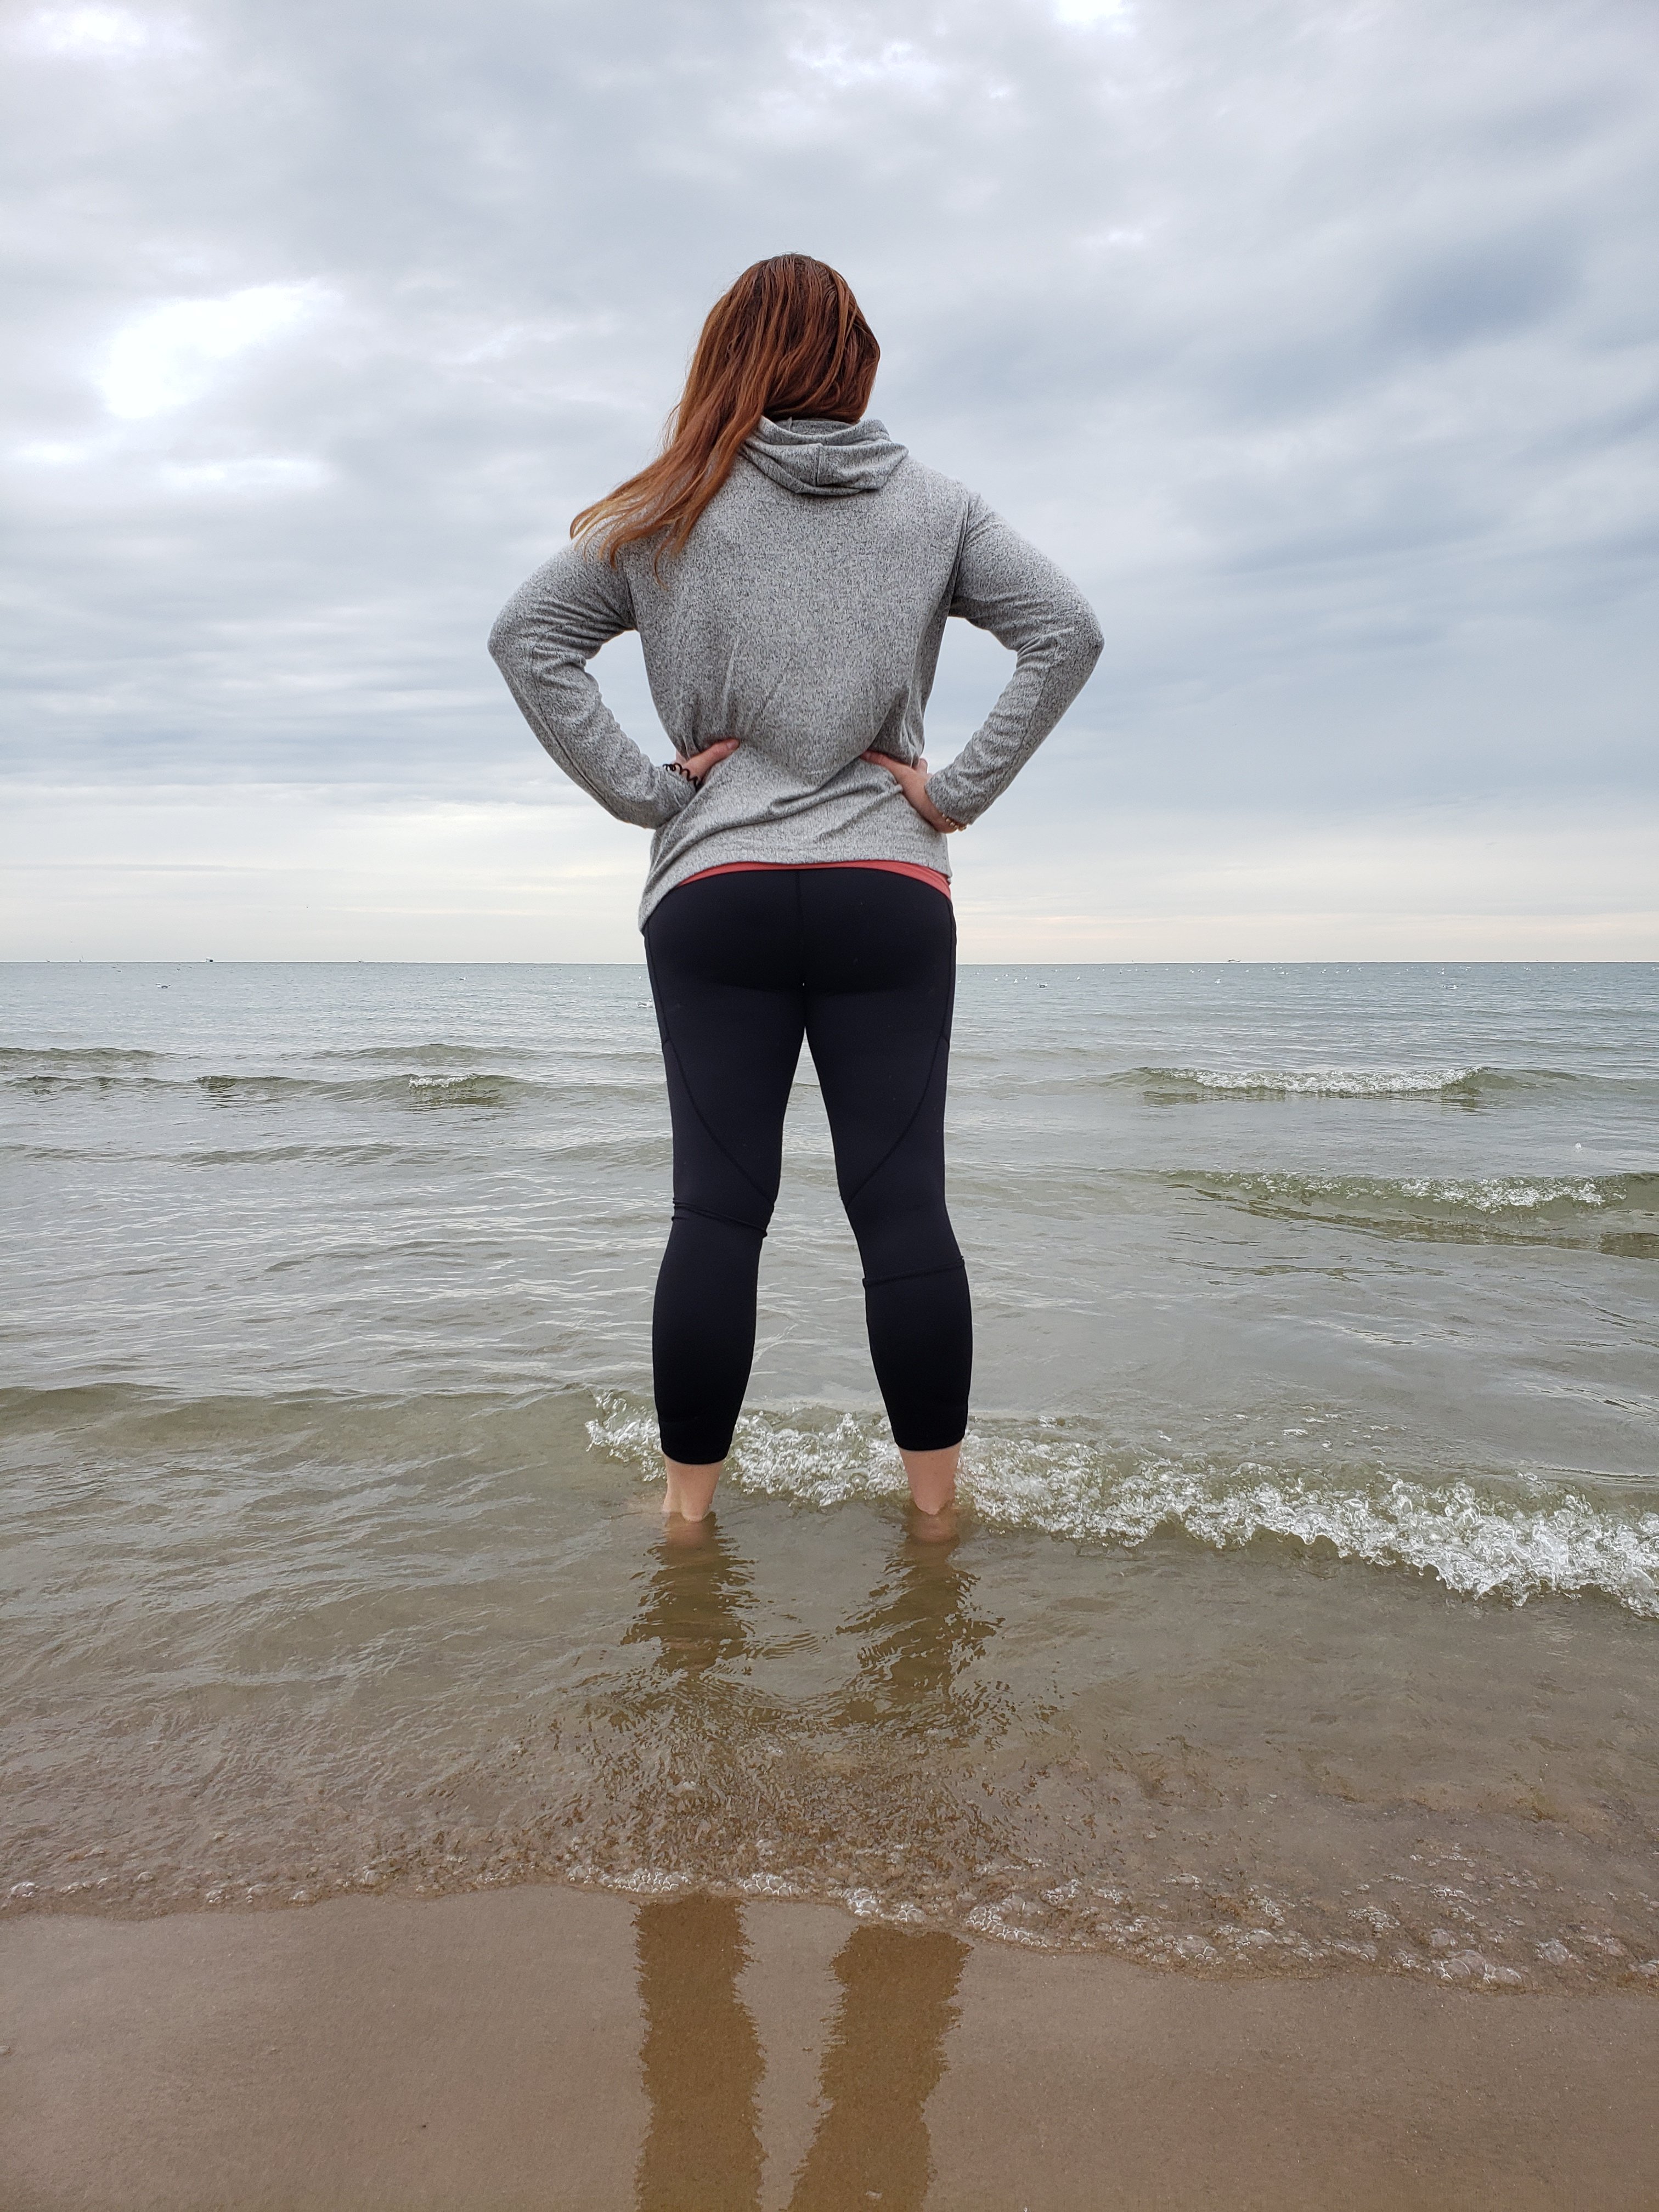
(911, 777)
(697, 765)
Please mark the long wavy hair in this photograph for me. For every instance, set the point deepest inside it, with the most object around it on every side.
(788, 338)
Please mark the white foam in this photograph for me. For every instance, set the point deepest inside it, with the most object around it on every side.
(767, 1884)
(846, 1458)
(1322, 1082)
(1478, 1194)
(645, 1882)
(1480, 1544)
(1498, 1194)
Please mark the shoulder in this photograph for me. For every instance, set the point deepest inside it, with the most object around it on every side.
(579, 569)
(575, 594)
(930, 487)
(939, 507)
(584, 571)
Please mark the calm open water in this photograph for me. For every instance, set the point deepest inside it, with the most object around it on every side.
(1306, 1616)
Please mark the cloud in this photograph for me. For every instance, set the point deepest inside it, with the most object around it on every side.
(104, 34)
(1116, 14)
(1319, 343)
(171, 354)
(255, 474)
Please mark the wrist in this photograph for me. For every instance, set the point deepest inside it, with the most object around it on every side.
(944, 822)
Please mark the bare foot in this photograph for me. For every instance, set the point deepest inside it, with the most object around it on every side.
(679, 1534)
(940, 1528)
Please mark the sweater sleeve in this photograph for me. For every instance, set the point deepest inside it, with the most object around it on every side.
(1005, 585)
(542, 641)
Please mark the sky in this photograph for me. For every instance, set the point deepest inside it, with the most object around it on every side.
(1318, 339)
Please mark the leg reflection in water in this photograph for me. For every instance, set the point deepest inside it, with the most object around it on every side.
(694, 1603)
(701, 2059)
(917, 1634)
(702, 2064)
(885, 2059)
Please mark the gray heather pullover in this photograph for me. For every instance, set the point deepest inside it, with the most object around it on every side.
(804, 617)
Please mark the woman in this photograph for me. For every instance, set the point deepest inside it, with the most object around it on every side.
(789, 569)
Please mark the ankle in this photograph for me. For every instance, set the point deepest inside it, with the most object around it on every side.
(689, 1490)
(933, 1478)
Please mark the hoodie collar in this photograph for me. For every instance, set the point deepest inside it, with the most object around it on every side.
(825, 460)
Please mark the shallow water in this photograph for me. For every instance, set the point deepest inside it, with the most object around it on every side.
(1306, 1614)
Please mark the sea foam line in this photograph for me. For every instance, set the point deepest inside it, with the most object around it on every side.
(1495, 1193)
(1325, 1082)
(1477, 1545)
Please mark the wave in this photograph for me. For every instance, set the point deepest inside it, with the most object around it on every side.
(475, 1086)
(615, 1068)
(434, 1054)
(474, 1090)
(1466, 1084)
(1478, 1542)
(1613, 1213)
(120, 1060)
(74, 1059)
(571, 1052)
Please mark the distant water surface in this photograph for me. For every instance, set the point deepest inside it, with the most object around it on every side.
(1306, 1616)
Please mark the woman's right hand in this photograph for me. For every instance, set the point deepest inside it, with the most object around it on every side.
(911, 777)
(698, 764)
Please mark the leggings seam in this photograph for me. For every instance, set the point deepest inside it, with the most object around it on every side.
(706, 1213)
(669, 1046)
(917, 1275)
(848, 1196)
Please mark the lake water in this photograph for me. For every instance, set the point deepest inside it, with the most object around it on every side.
(1305, 1616)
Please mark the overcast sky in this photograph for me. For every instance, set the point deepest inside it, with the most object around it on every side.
(1320, 341)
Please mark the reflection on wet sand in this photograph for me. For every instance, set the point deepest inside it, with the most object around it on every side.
(701, 2059)
(701, 2054)
(884, 2058)
(702, 2063)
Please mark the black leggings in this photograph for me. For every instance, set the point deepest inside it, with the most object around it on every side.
(863, 964)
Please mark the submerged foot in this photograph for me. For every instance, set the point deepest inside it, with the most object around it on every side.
(940, 1528)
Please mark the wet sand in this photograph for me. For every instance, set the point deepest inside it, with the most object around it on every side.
(551, 2047)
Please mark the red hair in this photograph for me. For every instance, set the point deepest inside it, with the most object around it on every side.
(787, 339)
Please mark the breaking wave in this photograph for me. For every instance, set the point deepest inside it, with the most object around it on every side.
(1547, 1536)
(1463, 1084)
(1613, 1213)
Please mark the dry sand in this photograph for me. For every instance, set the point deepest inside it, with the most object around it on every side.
(560, 2049)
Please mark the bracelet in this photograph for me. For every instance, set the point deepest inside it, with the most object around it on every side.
(678, 768)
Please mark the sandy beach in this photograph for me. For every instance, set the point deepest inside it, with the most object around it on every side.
(551, 2047)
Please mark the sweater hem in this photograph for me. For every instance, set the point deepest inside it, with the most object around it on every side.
(925, 850)
(935, 878)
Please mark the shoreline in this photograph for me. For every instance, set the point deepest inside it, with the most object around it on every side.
(551, 2045)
